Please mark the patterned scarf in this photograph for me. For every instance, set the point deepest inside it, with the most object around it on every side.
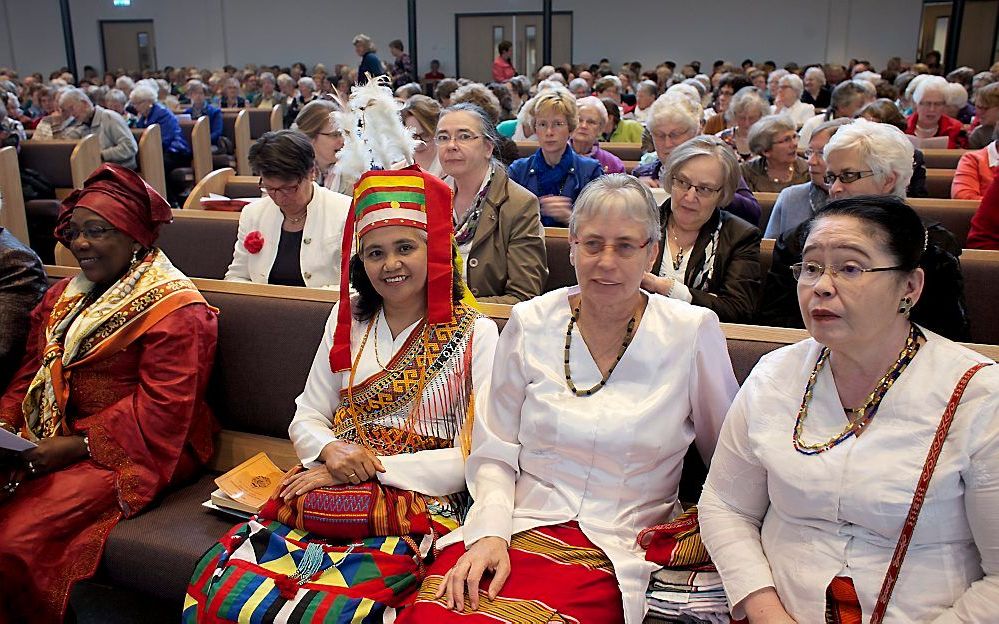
(85, 328)
(464, 230)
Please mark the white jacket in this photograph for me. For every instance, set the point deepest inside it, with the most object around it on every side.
(321, 240)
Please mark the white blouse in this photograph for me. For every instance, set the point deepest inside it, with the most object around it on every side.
(611, 461)
(774, 517)
(435, 472)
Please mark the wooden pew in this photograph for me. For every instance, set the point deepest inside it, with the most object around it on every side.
(150, 157)
(277, 119)
(222, 182)
(980, 269)
(953, 214)
(560, 270)
(66, 164)
(938, 183)
(260, 121)
(236, 126)
(624, 151)
(199, 137)
(12, 215)
(942, 158)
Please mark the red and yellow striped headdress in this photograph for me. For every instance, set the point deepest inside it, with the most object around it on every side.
(413, 198)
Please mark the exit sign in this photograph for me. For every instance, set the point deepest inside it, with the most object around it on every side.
(122, 3)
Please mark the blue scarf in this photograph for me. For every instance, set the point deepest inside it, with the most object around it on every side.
(551, 180)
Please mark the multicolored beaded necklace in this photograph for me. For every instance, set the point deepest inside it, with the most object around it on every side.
(628, 335)
(859, 417)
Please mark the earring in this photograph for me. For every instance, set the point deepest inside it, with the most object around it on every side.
(905, 306)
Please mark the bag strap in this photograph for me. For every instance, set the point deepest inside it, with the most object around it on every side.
(920, 495)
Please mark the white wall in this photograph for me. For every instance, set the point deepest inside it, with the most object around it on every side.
(209, 33)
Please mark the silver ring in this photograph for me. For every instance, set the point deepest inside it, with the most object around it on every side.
(352, 475)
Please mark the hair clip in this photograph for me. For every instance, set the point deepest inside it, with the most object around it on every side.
(926, 240)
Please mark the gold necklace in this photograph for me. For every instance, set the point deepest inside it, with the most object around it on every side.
(295, 219)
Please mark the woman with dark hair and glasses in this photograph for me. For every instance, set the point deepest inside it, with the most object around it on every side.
(291, 236)
(582, 443)
(709, 257)
(820, 458)
(112, 391)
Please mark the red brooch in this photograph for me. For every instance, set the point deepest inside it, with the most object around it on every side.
(254, 242)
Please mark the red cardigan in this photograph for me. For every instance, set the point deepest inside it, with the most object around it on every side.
(949, 127)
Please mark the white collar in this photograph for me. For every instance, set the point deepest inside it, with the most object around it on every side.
(993, 154)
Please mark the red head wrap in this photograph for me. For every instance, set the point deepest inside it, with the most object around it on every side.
(121, 198)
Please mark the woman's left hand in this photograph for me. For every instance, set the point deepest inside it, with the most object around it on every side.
(556, 207)
(656, 284)
(306, 482)
(54, 453)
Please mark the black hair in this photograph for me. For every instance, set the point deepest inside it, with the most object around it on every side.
(901, 228)
(504, 46)
(368, 300)
(283, 154)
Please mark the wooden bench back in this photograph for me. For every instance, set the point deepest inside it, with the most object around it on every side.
(942, 158)
(12, 215)
(65, 164)
(199, 136)
(150, 157)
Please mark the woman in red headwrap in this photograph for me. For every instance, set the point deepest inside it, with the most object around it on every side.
(111, 395)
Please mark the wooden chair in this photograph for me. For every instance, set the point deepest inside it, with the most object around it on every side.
(942, 158)
(150, 157)
(222, 182)
(12, 215)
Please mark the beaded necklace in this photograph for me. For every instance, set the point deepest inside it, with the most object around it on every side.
(859, 417)
(628, 335)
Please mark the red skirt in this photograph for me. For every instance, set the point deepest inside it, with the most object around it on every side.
(556, 575)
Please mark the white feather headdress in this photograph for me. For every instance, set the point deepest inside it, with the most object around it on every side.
(373, 133)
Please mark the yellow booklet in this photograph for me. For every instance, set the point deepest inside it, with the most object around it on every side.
(248, 486)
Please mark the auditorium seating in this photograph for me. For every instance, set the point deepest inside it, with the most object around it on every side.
(624, 151)
(981, 274)
(150, 157)
(938, 182)
(199, 137)
(560, 270)
(154, 553)
(223, 182)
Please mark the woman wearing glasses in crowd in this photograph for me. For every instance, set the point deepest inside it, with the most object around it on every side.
(774, 140)
(709, 257)
(111, 389)
(497, 227)
(567, 465)
(819, 458)
(555, 173)
(316, 122)
(292, 235)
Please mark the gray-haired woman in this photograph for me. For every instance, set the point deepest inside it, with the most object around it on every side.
(774, 140)
(561, 404)
(497, 221)
(709, 257)
(748, 106)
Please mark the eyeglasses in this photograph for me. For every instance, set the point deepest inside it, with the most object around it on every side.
(926, 104)
(704, 192)
(622, 249)
(788, 139)
(812, 152)
(847, 177)
(91, 232)
(276, 190)
(462, 138)
(676, 135)
(589, 122)
(558, 124)
(808, 273)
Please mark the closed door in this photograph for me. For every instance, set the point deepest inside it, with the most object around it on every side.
(478, 36)
(128, 45)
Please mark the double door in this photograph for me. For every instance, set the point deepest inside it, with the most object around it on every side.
(479, 34)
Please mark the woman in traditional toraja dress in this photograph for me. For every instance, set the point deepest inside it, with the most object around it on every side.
(111, 388)
(387, 408)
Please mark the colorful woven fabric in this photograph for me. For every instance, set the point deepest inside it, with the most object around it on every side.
(353, 511)
(581, 584)
(842, 604)
(676, 544)
(250, 576)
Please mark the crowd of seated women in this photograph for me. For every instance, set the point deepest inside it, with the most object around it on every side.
(537, 453)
